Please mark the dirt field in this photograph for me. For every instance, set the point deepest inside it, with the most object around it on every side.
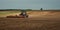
(38, 20)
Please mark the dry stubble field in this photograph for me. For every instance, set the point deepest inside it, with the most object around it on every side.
(38, 20)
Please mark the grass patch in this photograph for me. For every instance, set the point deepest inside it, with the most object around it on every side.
(4, 13)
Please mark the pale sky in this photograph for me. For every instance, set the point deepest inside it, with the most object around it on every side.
(29, 4)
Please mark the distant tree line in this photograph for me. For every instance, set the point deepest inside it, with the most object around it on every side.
(14, 9)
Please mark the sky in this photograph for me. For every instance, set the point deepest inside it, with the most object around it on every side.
(29, 4)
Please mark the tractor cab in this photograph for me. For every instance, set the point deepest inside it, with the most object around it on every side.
(23, 13)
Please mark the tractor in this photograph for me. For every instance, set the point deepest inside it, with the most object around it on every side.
(23, 14)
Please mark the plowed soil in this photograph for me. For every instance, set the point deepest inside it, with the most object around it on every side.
(38, 20)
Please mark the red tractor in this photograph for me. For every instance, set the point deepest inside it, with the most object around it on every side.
(23, 14)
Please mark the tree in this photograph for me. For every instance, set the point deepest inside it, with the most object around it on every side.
(41, 9)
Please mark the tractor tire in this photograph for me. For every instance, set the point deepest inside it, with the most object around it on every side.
(26, 16)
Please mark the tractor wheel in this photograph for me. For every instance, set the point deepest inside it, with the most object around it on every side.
(26, 16)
